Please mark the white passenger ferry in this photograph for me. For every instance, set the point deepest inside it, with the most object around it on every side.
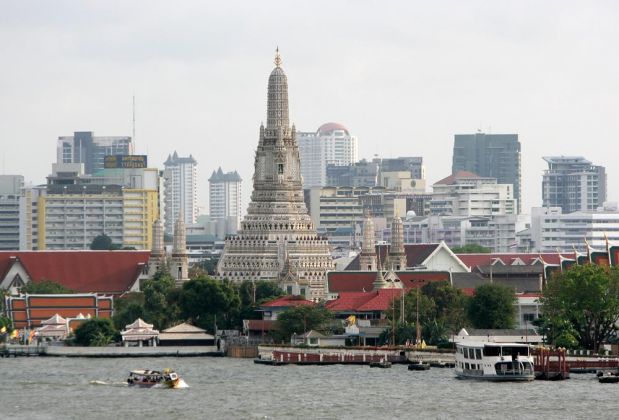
(494, 361)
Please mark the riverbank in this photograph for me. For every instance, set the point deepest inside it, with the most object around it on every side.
(66, 351)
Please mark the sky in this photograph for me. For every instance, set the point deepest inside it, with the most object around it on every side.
(403, 76)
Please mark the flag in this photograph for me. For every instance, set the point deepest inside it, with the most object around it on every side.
(3, 329)
(351, 320)
(14, 334)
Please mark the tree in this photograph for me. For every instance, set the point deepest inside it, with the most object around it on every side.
(95, 332)
(581, 303)
(127, 309)
(253, 294)
(207, 302)
(161, 303)
(471, 249)
(492, 307)
(450, 306)
(103, 242)
(45, 287)
(301, 319)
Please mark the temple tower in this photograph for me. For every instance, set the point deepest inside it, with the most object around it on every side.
(157, 254)
(179, 264)
(397, 256)
(277, 240)
(367, 258)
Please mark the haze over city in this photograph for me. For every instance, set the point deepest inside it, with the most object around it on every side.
(403, 77)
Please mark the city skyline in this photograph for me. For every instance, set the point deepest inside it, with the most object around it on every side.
(541, 71)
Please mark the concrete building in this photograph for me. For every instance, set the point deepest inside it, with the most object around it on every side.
(552, 230)
(277, 240)
(84, 147)
(573, 183)
(467, 194)
(73, 209)
(359, 174)
(495, 232)
(11, 187)
(180, 190)
(490, 155)
(331, 144)
(225, 201)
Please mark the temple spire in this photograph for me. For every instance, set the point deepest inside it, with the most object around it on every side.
(278, 59)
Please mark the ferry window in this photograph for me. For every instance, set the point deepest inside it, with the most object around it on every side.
(466, 353)
(492, 351)
(478, 354)
(466, 366)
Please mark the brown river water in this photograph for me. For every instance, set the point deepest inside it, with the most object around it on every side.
(221, 388)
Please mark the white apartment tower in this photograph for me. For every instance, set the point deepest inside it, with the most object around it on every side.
(331, 144)
(180, 190)
(225, 199)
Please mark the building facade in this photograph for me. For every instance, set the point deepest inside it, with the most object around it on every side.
(11, 190)
(84, 147)
(277, 240)
(552, 229)
(180, 193)
(359, 174)
(467, 194)
(490, 155)
(331, 144)
(573, 183)
(225, 201)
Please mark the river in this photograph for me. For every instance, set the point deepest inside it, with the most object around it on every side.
(81, 388)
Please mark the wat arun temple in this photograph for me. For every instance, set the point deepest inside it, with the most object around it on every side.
(277, 240)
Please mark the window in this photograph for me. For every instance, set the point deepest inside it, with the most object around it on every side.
(478, 354)
(280, 168)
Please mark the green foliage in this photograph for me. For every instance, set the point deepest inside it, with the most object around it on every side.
(403, 333)
(161, 300)
(581, 304)
(103, 242)
(95, 332)
(127, 309)
(300, 319)
(492, 307)
(471, 249)
(442, 311)
(205, 301)
(45, 287)
(253, 294)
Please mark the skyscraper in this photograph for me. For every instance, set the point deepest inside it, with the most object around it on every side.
(573, 183)
(331, 144)
(490, 155)
(180, 190)
(225, 199)
(277, 240)
(84, 147)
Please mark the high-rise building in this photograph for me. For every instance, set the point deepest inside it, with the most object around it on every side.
(490, 155)
(359, 174)
(84, 147)
(225, 200)
(73, 208)
(10, 192)
(467, 194)
(573, 183)
(331, 144)
(277, 240)
(180, 190)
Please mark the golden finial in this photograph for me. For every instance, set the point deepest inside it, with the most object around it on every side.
(278, 59)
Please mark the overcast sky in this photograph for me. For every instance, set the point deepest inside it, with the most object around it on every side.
(404, 77)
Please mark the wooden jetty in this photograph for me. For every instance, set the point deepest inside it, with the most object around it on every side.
(550, 364)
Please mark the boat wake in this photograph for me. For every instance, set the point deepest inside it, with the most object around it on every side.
(108, 383)
(181, 385)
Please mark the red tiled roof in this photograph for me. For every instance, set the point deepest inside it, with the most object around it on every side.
(460, 174)
(379, 300)
(111, 272)
(261, 325)
(359, 281)
(474, 260)
(288, 301)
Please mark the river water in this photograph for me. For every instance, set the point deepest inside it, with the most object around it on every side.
(81, 388)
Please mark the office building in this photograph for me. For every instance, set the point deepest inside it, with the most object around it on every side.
(331, 144)
(84, 147)
(573, 183)
(10, 192)
(490, 155)
(225, 201)
(180, 190)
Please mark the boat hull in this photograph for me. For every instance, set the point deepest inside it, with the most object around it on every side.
(496, 378)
